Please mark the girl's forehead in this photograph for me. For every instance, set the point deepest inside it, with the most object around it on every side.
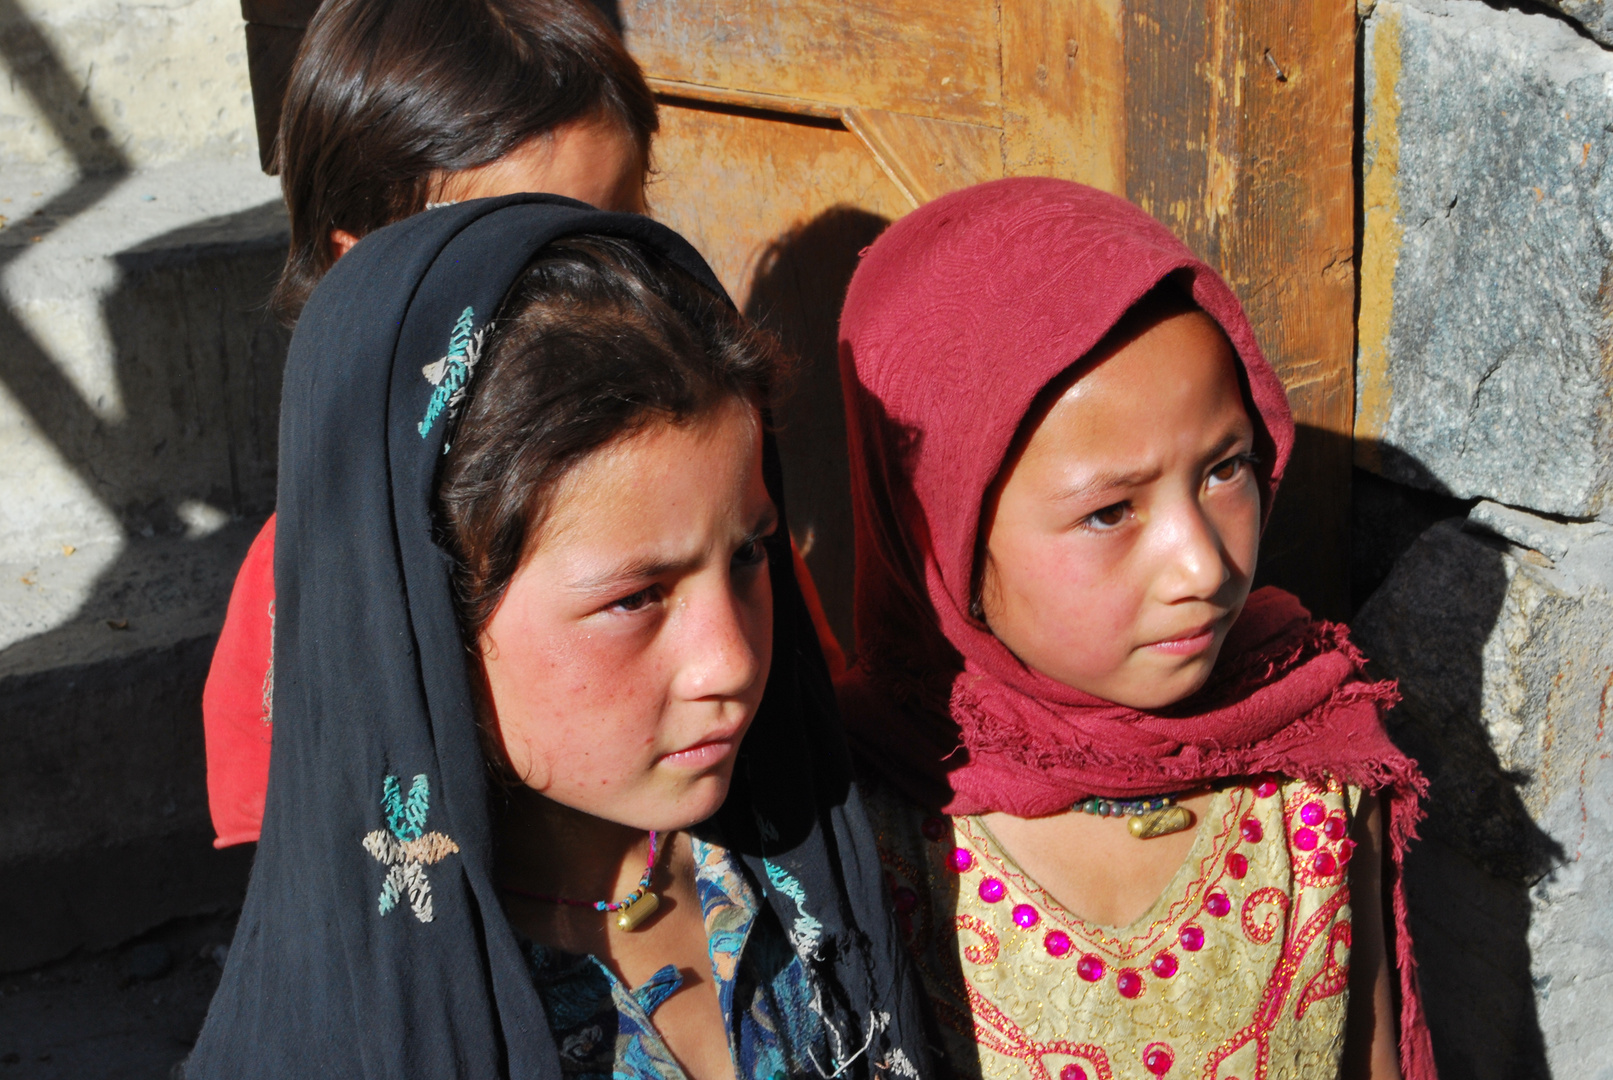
(1172, 370)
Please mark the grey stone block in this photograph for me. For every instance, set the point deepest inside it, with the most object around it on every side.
(1483, 368)
(1596, 16)
(1505, 659)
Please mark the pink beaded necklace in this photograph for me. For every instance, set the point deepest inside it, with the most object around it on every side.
(631, 910)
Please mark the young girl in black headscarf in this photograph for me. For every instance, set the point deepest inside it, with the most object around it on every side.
(557, 787)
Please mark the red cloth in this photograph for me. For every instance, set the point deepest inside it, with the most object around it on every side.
(957, 317)
(235, 702)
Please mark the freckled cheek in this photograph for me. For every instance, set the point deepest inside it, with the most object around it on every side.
(606, 708)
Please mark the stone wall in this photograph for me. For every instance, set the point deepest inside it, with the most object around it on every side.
(1485, 388)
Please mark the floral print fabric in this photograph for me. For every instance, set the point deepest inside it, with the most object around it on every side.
(605, 1030)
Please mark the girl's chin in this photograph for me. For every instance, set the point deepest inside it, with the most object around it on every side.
(698, 803)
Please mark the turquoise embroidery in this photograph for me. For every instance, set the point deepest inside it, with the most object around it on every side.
(406, 848)
(808, 930)
(452, 373)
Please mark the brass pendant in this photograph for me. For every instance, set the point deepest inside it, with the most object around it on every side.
(1161, 822)
(632, 916)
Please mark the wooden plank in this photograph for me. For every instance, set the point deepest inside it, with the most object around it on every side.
(913, 56)
(697, 94)
(927, 158)
(1064, 91)
(781, 209)
(1240, 135)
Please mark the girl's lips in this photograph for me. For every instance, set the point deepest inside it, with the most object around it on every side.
(702, 756)
(1189, 644)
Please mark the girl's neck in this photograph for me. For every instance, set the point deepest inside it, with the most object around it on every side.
(545, 848)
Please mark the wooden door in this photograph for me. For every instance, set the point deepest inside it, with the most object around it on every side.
(794, 131)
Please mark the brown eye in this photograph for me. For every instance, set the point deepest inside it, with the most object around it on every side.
(750, 553)
(1230, 469)
(635, 601)
(1108, 517)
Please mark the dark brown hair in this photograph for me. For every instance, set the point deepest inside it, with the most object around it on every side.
(598, 337)
(387, 94)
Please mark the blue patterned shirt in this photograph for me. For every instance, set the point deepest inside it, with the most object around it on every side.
(604, 1030)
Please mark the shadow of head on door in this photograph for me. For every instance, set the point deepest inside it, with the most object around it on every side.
(796, 292)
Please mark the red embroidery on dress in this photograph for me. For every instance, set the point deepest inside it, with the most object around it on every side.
(1333, 977)
(996, 1032)
(974, 953)
(1263, 931)
(1258, 1030)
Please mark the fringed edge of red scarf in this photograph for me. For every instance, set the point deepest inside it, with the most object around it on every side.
(1406, 793)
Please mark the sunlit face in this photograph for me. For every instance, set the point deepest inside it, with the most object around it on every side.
(630, 652)
(1123, 538)
(595, 161)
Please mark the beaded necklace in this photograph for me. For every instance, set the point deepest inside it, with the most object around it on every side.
(631, 910)
(1156, 815)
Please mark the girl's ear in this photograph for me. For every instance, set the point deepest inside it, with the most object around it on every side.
(341, 242)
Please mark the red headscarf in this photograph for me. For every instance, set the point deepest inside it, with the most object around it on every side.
(955, 321)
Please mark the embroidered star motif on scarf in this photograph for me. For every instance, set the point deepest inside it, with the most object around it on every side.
(406, 847)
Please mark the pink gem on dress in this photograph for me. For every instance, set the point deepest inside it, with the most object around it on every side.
(960, 859)
(1089, 967)
(1336, 827)
(1251, 830)
(1265, 789)
(1129, 983)
(1158, 1058)
(992, 890)
(1163, 965)
(1305, 839)
(1056, 943)
(1072, 1071)
(1217, 904)
(1346, 849)
(1025, 916)
(933, 828)
(1324, 864)
(1191, 937)
(1237, 866)
(1312, 813)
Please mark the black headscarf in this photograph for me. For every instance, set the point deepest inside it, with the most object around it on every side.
(344, 963)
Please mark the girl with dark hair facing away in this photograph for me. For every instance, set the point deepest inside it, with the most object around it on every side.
(394, 105)
(558, 787)
(1135, 813)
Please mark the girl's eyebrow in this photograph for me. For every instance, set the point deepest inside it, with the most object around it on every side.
(631, 574)
(651, 567)
(1105, 481)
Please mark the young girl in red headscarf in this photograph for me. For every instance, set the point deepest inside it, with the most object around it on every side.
(1136, 818)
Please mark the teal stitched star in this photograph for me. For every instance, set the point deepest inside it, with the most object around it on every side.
(408, 849)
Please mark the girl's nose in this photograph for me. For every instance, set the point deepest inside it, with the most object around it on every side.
(724, 647)
(1195, 565)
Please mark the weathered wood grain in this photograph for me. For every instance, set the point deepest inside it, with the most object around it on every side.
(1064, 91)
(927, 158)
(917, 56)
(1240, 129)
(781, 205)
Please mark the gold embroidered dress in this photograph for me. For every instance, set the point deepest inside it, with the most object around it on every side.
(1238, 970)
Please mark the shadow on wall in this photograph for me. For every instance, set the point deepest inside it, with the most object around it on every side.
(104, 776)
(796, 292)
(1468, 878)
